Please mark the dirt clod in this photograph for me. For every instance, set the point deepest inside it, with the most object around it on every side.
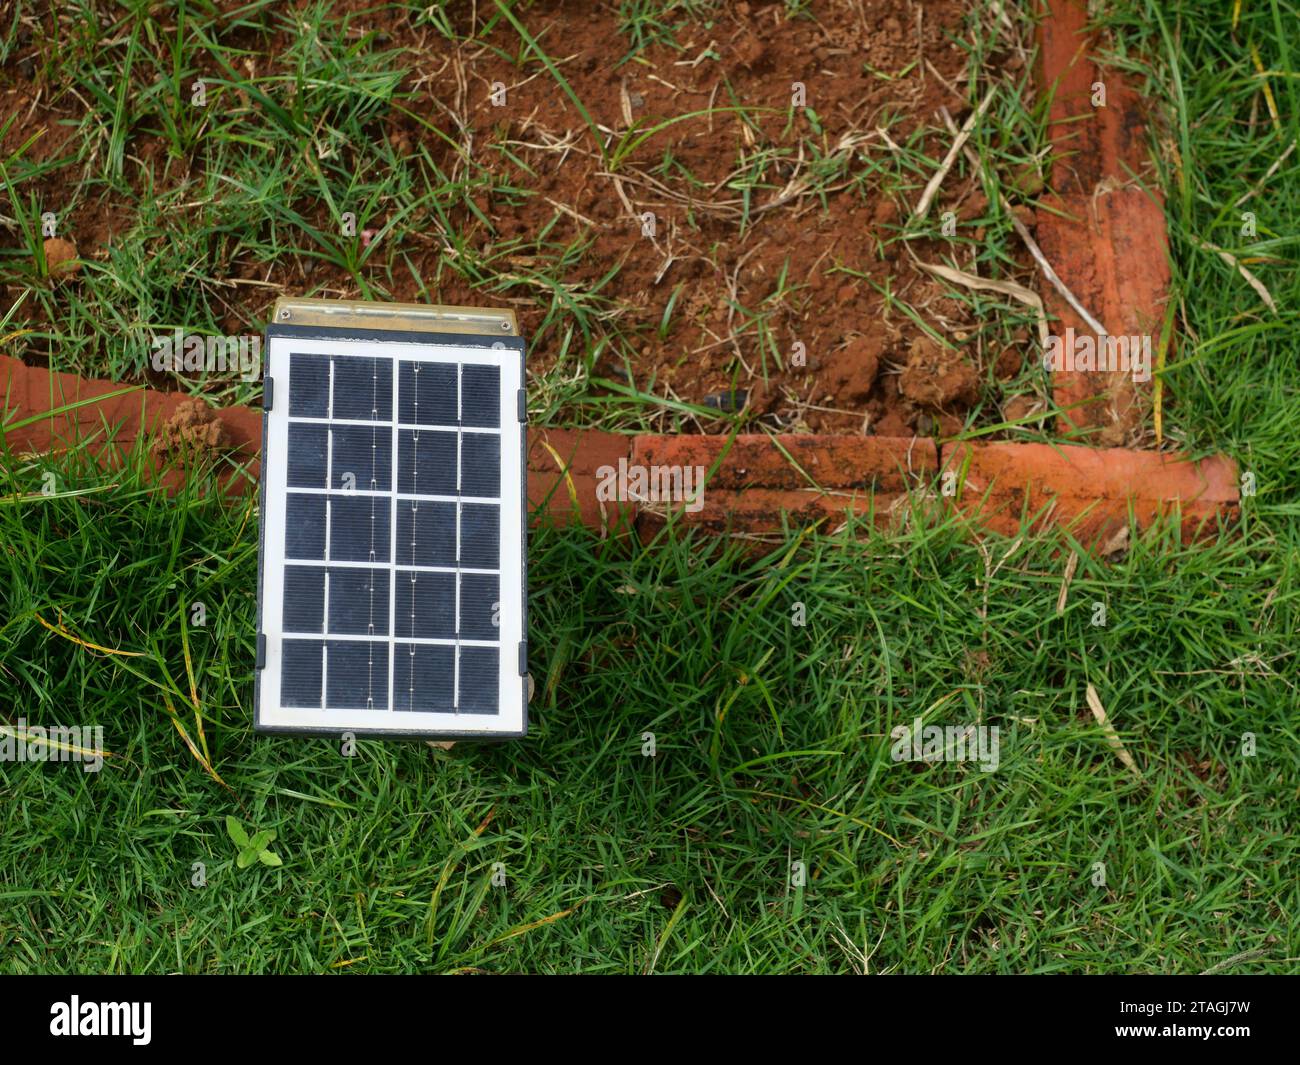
(194, 427)
(937, 377)
(61, 257)
(1017, 408)
(974, 206)
(856, 367)
(1009, 363)
(749, 49)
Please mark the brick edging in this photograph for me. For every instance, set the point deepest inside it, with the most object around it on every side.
(1103, 233)
(755, 485)
(764, 484)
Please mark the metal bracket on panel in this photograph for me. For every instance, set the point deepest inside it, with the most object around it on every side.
(268, 393)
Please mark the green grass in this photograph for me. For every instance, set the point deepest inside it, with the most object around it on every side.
(772, 748)
(1234, 385)
(772, 738)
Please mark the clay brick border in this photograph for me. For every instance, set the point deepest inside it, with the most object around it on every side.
(1004, 487)
(1102, 232)
(755, 479)
(762, 483)
(110, 419)
(562, 467)
(756, 484)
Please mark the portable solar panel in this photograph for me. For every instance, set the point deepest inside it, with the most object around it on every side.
(392, 585)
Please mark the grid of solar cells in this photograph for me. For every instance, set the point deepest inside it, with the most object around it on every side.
(391, 546)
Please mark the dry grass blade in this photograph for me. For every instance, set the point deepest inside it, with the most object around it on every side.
(958, 143)
(1006, 288)
(1112, 737)
(194, 690)
(1033, 247)
(201, 755)
(185, 736)
(1245, 955)
(19, 732)
(525, 928)
(1232, 260)
(1268, 174)
(61, 631)
(1070, 566)
(568, 475)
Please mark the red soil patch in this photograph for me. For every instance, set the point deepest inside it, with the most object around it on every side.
(831, 254)
(735, 236)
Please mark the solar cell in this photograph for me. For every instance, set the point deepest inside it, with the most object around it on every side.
(392, 593)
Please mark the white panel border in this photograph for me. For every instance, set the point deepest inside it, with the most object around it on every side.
(511, 689)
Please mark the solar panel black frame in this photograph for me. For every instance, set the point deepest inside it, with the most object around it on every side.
(269, 714)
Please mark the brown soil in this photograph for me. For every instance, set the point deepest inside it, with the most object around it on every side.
(832, 255)
(712, 252)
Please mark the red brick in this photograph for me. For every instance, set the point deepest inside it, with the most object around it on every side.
(1088, 490)
(1103, 234)
(758, 487)
(561, 460)
(110, 425)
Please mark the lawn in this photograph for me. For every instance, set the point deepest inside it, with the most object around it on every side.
(707, 785)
